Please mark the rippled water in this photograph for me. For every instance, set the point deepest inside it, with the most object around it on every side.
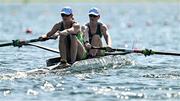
(154, 26)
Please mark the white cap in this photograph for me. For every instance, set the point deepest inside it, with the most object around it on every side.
(94, 11)
(66, 10)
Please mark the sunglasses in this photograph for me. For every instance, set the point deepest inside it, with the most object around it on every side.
(92, 16)
(65, 15)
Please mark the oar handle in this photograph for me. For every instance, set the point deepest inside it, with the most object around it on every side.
(44, 39)
(39, 39)
(109, 49)
(101, 48)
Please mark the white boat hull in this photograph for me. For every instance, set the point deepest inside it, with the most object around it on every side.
(104, 62)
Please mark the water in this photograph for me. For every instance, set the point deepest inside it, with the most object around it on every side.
(153, 26)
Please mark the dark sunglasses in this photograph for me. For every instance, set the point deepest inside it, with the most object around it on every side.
(64, 15)
(92, 15)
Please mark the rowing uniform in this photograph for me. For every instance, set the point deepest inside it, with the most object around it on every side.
(98, 31)
(79, 36)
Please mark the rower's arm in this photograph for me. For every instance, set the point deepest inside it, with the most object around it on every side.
(73, 30)
(106, 35)
(53, 30)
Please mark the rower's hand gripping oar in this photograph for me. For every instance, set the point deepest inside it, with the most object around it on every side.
(146, 52)
(20, 43)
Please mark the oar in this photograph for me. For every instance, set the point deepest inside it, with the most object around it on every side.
(43, 47)
(19, 43)
(146, 52)
(112, 53)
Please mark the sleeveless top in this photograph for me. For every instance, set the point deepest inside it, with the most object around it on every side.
(98, 31)
(79, 35)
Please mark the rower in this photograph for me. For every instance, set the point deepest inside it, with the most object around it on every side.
(71, 38)
(94, 32)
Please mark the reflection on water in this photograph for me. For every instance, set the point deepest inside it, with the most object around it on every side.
(154, 26)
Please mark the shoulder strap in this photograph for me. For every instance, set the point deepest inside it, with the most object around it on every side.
(98, 30)
(89, 32)
(89, 28)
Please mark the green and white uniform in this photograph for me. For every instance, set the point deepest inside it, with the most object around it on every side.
(79, 36)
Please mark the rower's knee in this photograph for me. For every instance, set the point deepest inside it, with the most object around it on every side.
(96, 40)
(96, 37)
(73, 39)
(62, 39)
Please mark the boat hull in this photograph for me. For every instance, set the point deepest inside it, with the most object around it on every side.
(93, 64)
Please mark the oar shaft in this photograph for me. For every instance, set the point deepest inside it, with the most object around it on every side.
(151, 53)
(156, 52)
(167, 53)
(146, 52)
(36, 40)
(6, 44)
(19, 43)
(43, 47)
(33, 40)
(123, 53)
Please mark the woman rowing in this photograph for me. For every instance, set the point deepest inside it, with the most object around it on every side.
(71, 38)
(94, 32)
